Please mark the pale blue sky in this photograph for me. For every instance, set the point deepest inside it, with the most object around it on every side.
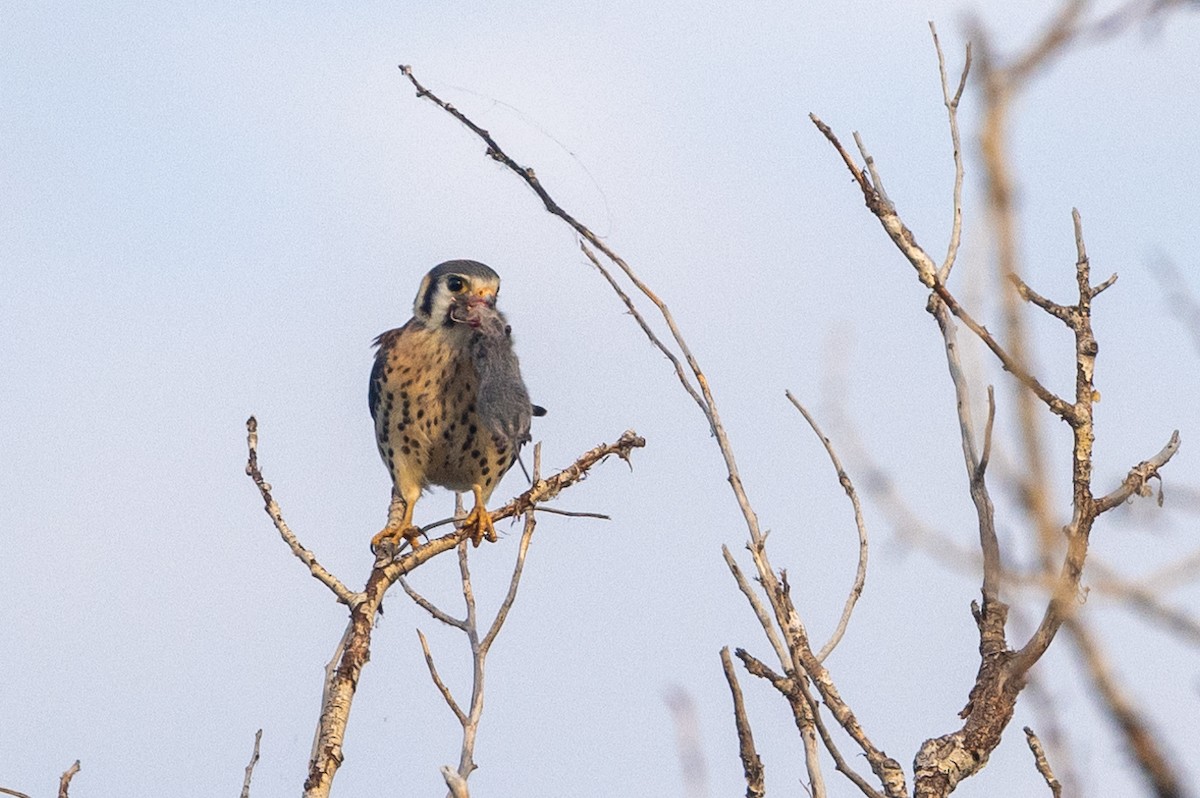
(211, 210)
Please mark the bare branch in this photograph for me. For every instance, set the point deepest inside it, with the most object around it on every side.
(839, 761)
(355, 647)
(430, 607)
(1039, 759)
(514, 583)
(806, 711)
(469, 720)
(951, 104)
(1086, 507)
(64, 783)
(456, 783)
(343, 593)
(764, 619)
(574, 513)
(876, 180)
(250, 767)
(1010, 363)
(641, 322)
(1137, 481)
(7, 791)
(751, 763)
(437, 680)
(860, 575)
(884, 211)
(1060, 312)
(974, 461)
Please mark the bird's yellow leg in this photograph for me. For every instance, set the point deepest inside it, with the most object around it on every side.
(478, 523)
(397, 529)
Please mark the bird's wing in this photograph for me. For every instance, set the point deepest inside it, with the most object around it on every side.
(384, 342)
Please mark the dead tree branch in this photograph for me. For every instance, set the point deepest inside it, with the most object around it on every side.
(344, 594)
(943, 762)
(469, 625)
(804, 706)
(354, 649)
(860, 574)
(250, 767)
(951, 104)
(751, 762)
(1043, 766)
(64, 783)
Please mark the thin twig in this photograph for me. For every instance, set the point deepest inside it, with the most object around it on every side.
(514, 583)
(250, 767)
(884, 211)
(641, 322)
(7, 791)
(469, 720)
(343, 593)
(708, 406)
(860, 574)
(876, 180)
(951, 104)
(1138, 479)
(1043, 766)
(764, 619)
(751, 762)
(437, 680)
(430, 607)
(574, 513)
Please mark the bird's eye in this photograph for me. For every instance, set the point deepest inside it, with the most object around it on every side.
(455, 283)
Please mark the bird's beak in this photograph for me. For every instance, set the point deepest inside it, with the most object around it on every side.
(482, 298)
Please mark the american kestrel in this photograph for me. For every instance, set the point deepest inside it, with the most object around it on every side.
(446, 394)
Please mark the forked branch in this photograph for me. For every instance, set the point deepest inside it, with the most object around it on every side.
(943, 762)
(354, 648)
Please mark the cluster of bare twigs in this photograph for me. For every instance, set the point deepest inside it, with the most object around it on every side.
(944, 761)
(354, 649)
(480, 646)
(801, 677)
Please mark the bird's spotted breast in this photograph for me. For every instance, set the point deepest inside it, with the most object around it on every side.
(427, 426)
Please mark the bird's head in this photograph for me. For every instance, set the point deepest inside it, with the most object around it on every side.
(454, 291)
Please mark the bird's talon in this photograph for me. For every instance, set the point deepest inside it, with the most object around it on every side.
(478, 525)
(392, 539)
